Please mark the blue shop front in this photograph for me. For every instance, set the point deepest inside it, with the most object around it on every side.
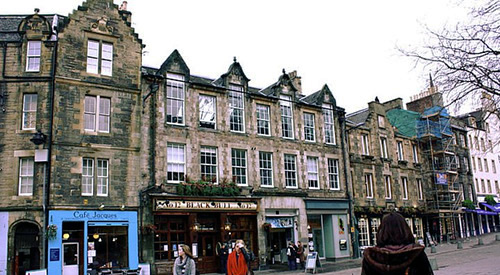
(84, 240)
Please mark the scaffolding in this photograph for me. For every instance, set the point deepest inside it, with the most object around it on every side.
(444, 197)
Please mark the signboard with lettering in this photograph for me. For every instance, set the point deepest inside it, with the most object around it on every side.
(205, 205)
(312, 262)
(441, 178)
(54, 254)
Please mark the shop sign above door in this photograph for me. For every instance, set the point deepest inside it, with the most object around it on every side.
(212, 205)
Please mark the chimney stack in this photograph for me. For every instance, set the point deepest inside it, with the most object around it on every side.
(123, 6)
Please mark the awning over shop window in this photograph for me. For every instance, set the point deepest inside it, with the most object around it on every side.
(327, 204)
(494, 208)
(280, 222)
(480, 212)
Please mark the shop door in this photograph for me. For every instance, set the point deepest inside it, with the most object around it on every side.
(207, 261)
(70, 259)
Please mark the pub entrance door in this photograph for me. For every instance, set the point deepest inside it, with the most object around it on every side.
(207, 258)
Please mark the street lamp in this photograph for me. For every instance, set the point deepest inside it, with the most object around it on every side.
(38, 138)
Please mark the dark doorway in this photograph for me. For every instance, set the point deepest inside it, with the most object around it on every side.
(207, 257)
(26, 248)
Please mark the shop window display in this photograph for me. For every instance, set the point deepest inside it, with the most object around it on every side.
(107, 247)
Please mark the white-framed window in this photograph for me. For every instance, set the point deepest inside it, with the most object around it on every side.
(415, 153)
(369, 186)
(365, 145)
(364, 238)
(89, 177)
(474, 163)
(480, 164)
(483, 146)
(488, 184)
(97, 114)
(493, 166)
(404, 187)
(497, 187)
(309, 133)
(388, 187)
(176, 92)
(486, 169)
(381, 121)
(33, 56)
(286, 116)
(400, 151)
(266, 169)
(208, 164)
(29, 111)
(236, 109)
(290, 164)
(239, 166)
(99, 57)
(483, 186)
(176, 162)
(333, 174)
(420, 189)
(312, 172)
(26, 175)
(208, 114)
(410, 223)
(263, 120)
(418, 228)
(383, 148)
(466, 164)
(476, 141)
(462, 140)
(374, 225)
(329, 124)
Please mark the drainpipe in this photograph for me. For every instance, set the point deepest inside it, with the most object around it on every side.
(348, 183)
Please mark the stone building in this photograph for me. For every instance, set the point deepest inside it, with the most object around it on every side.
(229, 161)
(70, 140)
(386, 168)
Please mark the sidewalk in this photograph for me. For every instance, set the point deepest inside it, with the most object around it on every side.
(352, 266)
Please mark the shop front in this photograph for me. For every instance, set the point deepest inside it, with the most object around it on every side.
(328, 228)
(204, 225)
(85, 240)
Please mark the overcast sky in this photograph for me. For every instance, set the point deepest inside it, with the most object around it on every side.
(349, 45)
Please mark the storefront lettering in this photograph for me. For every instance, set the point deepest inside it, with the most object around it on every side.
(93, 215)
(166, 204)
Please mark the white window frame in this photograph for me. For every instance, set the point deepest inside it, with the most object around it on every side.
(493, 166)
(418, 228)
(209, 154)
(207, 106)
(480, 164)
(369, 186)
(236, 109)
(312, 173)
(95, 170)
(102, 177)
(329, 127)
(420, 189)
(388, 187)
(365, 144)
(30, 103)
(176, 162)
(175, 93)
(488, 184)
(404, 187)
(483, 186)
(26, 176)
(266, 169)
(400, 150)
(381, 121)
(239, 166)
(99, 57)
(33, 56)
(290, 165)
(96, 114)
(374, 225)
(333, 174)
(309, 131)
(263, 120)
(486, 166)
(286, 117)
(415, 153)
(87, 177)
(364, 235)
(383, 147)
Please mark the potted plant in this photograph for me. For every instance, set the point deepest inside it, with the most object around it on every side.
(51, 231)
(469, 204)
(489, 199)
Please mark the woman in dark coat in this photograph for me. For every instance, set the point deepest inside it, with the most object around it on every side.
(396, 251)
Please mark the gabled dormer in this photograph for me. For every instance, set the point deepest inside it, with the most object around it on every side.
(233, 76)
(174, 64)
(35, 27)
(321, 97)
(284, 86)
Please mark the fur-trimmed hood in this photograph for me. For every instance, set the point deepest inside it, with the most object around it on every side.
(391, 259)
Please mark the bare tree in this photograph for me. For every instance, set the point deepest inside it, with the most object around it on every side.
(465, 60)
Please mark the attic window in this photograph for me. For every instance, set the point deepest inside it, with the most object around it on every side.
(381, 121)
(33, 56)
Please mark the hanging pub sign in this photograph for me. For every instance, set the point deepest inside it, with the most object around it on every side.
(204, 205)
(441, 178)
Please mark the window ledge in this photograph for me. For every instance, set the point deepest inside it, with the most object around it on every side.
(27, 131)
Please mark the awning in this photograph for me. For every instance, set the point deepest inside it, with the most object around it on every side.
(495, 208)
(480, 212)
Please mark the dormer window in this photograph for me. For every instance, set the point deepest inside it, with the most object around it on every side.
(175, 99)
(33, 56)
(236, 109)
(286, 116)
(329, 124)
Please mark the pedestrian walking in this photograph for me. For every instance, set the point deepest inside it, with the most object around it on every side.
(396, 251)
(238, 260)
(184, 264)
(301, 255)
(223, 258)
(291, 253)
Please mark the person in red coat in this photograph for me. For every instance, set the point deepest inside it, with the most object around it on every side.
(238, 259)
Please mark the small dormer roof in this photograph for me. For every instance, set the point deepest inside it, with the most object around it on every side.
(234, 69)
(323, 96)
(174, 63)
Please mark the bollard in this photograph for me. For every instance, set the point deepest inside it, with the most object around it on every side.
(480, 241)
(497, 237)
(433, 249)
(434, 264)
(459, 245)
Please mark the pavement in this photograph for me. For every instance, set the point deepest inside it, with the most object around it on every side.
(473, 258)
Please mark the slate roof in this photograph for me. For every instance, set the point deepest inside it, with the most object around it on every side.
(9, 25)
(358, 117)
